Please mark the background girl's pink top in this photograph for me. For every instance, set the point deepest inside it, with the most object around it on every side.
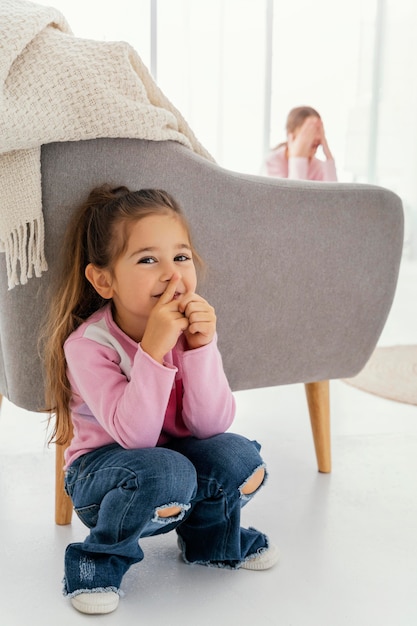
(299, 168)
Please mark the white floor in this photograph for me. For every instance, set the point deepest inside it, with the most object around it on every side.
(348, 540)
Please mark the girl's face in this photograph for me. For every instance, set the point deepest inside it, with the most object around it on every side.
(158, 246)
(310, 132)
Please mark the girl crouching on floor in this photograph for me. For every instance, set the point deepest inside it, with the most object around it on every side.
(134, 373)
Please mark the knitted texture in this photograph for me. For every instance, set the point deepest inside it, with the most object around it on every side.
(57, 87)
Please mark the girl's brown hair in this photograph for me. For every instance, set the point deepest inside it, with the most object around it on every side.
(98, 233)
(296, 118)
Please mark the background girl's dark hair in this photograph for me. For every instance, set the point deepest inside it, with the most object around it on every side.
(296, 118)
(97, 233)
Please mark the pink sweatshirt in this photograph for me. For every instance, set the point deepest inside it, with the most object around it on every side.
(299, 168)
(120, 394)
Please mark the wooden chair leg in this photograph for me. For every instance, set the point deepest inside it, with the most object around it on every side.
(319, 407)
(63, 504)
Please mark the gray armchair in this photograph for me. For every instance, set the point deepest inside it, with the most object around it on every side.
(302, 274)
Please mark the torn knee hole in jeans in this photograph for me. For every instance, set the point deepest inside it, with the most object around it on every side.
(253, 483)
(167, 513)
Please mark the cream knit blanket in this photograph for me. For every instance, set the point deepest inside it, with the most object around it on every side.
(56, 87)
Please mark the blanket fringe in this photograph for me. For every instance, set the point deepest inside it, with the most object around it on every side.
(24, 250)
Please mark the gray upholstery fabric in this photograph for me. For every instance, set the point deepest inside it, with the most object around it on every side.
(302, 274)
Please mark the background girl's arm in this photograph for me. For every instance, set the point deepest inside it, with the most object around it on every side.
(329, 171)
(326, 150)
(329, 166)
(299, 149)
(276, 163)
(298, 168)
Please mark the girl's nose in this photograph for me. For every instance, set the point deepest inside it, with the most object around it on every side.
(167, 271)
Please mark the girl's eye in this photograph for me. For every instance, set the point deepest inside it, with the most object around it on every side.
(147, 259)
(182, 257)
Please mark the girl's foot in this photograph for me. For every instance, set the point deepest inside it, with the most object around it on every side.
(96, 602)
(264, 560)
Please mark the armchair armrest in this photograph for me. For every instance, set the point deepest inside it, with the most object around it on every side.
(302, 274)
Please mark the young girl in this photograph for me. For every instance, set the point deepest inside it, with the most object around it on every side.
(134, 370)
(295, 158)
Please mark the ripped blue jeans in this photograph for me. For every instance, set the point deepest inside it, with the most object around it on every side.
(117, 493)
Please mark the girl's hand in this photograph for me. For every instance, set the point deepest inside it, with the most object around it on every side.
(165, 323)
(305, 140)
(326, 150)
(201, 320)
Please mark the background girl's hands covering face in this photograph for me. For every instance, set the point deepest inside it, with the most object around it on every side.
(306, 139)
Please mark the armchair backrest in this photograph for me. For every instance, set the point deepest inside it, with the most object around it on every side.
(302, 274)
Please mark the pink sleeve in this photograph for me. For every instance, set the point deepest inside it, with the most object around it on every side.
(298, 168)
(329, 171)
(276, 164)
(131, 411)
(208, 402)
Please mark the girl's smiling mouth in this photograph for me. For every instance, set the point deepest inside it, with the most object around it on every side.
(176, 295)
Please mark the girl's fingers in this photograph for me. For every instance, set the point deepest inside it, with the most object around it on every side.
(192, 298)
(169, 292)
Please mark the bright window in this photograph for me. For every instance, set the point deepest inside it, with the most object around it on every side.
(234, 73)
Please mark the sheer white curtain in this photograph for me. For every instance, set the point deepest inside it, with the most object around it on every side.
(121, 20)
(396, 141)
(211, 63)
